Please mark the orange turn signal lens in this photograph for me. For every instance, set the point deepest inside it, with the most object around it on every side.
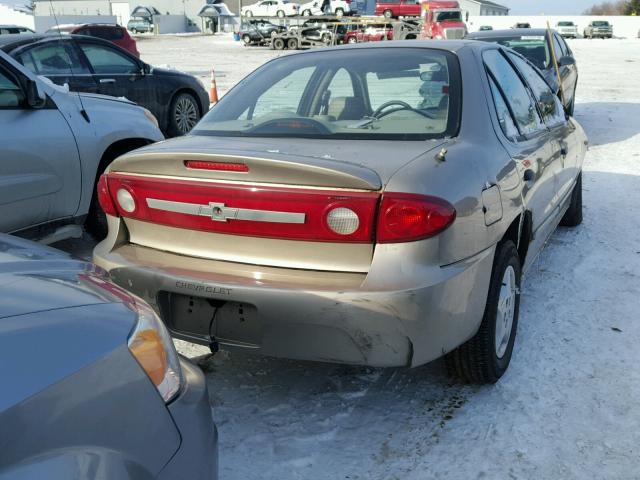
(148, 349)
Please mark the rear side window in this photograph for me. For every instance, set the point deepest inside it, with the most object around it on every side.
(548, 102)
(53, 58)
(10, 93)
(106, 33)
(557, 46)
(105, 60)
(504, 115)
(516, 93)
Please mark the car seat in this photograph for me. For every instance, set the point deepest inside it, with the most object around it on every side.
(346, 108)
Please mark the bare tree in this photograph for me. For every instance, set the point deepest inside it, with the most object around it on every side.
(619, 7)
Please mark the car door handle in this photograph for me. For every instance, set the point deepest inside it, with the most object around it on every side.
(107, 80)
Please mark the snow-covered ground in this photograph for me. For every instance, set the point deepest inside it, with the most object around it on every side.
(568, 408)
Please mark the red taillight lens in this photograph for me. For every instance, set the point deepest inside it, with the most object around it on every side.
(406, 217)
(104, 197)
(249, 210)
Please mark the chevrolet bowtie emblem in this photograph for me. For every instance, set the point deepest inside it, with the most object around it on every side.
(219, 212)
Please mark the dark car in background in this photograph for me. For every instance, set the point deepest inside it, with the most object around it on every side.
(535, 45)
(14, 30)
(89, 64)
(92, 386)
(258, 32)
(113, 33)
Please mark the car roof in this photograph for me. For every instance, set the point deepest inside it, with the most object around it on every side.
(446, 45)
(11, 42)
(509, 32)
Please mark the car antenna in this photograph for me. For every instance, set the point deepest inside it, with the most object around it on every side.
(83, 112)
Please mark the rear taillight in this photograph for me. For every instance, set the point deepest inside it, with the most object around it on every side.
(249, 210)
(104, 197)
(407, 217)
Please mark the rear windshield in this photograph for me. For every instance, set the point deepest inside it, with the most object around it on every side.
(381, 93)
(600, 24)
(533, 47)
(565, 24)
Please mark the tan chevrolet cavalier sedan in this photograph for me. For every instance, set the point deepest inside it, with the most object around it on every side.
(370, 205)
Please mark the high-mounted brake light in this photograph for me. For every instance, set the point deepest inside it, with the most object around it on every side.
(104, 197)
(407, 217)
(216, 166)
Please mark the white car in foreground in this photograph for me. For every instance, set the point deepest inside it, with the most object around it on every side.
(271, 8)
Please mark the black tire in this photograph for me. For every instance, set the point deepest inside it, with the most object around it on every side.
(352, 40)
(246, 38)
(339, 12)
(573, 215)
(476, 361)
(96, 221)
(292, 44)
(278, 43)
(388, 14)
(306, 13)
(134, 31)
(184, 113)
(248, 13)
(280, 14)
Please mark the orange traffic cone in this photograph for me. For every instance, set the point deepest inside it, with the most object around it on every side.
(213, 89)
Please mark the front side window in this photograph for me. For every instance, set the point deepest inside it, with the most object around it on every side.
(413, 95)
(105, 60)
(516, 93)
(11, 95)
(548, 103)
(53, 58)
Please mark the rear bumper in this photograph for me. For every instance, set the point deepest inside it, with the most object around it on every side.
(334, 319)
(197, 457)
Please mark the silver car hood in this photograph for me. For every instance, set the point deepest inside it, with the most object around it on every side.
(381, 158)
(34, 278)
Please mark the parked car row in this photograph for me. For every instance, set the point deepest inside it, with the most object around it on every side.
(568, 29)
(286, 8)
(93, 65)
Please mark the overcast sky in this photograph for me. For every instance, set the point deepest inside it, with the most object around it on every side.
(548, 7)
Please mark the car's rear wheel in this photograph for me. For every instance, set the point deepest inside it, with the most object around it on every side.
(184, 113)
(306, 13)
(292, 44)
(248, 13)
(573, 215)
(134, 31)
(280, 14)
(339, 12)
(278, 43)
(246, 39)
(353, 40)
(387, 14)
(485, 358)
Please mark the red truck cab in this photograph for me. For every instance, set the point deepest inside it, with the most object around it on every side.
(442, 20)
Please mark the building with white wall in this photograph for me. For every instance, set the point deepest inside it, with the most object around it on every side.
(483, 7)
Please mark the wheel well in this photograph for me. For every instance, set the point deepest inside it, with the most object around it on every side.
(519, 232)
(119, 148)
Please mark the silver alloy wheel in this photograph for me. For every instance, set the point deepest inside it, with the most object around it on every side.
(505, 311)
(186, 114)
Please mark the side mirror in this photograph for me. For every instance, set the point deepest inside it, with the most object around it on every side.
(566, 61)
(145, 69)
(35, 97)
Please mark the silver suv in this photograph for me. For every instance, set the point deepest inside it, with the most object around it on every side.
(54, 145)
(598, 29)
